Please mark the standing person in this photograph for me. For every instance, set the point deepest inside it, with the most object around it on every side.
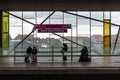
(64, 49)
(34, 54)
(29, 54)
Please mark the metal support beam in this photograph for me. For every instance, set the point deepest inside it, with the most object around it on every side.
(116, 40)
(98, 21)
(90, 18)
(18, 17)
(68, 40)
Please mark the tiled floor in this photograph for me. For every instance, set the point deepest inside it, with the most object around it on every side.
(95, 62)
(108, 65)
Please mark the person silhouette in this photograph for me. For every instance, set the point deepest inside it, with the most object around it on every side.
(84, 55)
(64, 49)
(28, 54)
(34, 54)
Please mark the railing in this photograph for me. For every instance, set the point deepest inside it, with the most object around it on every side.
(48, 52)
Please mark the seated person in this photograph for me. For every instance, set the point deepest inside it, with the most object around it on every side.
(34, 54)
(84, 54)
(28, 56)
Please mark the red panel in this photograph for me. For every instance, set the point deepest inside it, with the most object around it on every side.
(52, 30)
(52, 25)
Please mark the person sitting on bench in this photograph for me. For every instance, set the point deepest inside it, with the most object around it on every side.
(84, 55)
(28, 56)
(34, 54)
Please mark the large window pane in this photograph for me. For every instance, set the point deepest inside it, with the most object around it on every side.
(56, 21)
(57, 15)
(97, 15)
(29, 16)
(83, 26)
(41, 15)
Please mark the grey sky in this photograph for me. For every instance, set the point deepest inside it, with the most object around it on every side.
(83, 24)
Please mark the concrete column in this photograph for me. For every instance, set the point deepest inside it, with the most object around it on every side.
(107, 37)
(1, 51)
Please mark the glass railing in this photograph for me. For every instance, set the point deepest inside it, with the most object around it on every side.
(53, 53)
(49, 54)
(47, 51)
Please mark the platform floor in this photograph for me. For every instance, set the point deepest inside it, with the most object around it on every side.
(98, 65)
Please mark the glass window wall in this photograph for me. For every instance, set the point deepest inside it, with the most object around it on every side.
(85, 31)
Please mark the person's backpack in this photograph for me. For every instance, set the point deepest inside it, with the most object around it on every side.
(27, 59)
(34, 59)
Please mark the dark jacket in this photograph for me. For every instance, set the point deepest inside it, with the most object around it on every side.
(34, 51)
(29, 50)
(65, 47)
(84, 54)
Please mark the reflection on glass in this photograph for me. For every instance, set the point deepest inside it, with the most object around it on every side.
(56, 21)
(107, 15)
(17, 13)
(71, 21)
(57, 15)
(115, 17)
(97, 31)
(83, 26)
(42, 14)
(28, 14)
(83, 13)
(15, 31)
(97, 15)
(69, 16)
(96, 37)
(27, 28)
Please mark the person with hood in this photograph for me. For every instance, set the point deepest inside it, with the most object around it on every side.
(64, 49)
(84, 55)
(28, 54)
